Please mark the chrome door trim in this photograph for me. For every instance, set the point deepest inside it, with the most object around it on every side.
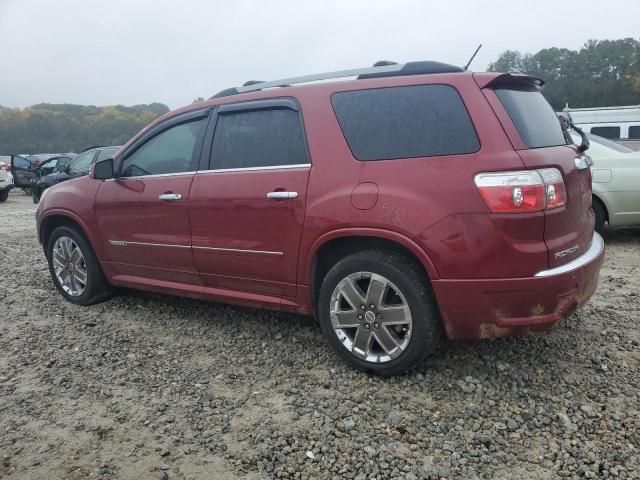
(124, 243)
(250, 169)
(265, 253)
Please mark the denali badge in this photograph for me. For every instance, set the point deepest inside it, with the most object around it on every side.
(568, 251)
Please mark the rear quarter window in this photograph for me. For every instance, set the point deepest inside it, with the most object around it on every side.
(532, 115)
(606, 132)
(405, 122)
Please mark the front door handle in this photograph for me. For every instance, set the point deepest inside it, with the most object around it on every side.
(282, 195)
(170, 197)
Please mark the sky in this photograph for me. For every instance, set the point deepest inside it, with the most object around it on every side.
(107, 52)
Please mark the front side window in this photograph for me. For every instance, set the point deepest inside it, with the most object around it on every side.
(258, 138)
(171, 151)
(634, 131)
(82, 163)
(21, 163)
(606, 132)
(405, 122)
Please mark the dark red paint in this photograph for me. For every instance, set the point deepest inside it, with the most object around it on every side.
(481, 264)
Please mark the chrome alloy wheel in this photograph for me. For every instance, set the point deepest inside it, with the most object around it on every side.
(69, 266)
(371, 317)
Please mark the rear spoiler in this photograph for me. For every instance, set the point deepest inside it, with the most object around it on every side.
(490, 80)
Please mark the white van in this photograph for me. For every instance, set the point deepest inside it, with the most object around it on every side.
(616, 123)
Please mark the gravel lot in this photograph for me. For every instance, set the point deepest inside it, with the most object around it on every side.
(154, 387)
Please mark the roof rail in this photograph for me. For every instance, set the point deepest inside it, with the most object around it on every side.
(381, 69)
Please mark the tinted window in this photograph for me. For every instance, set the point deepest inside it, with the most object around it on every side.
(532, 115)
(82, 163)
(606, 132)
(403, 122)
(21, 163)
(634, 131)
(171, 151)
(258, 138)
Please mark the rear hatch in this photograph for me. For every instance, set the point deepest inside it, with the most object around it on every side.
(541, 142)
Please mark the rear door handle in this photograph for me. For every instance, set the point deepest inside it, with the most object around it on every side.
(282, 195)
(170, 197)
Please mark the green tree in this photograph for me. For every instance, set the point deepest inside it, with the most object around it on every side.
(601, 73)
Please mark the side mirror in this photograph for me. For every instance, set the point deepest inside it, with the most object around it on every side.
(103, 170)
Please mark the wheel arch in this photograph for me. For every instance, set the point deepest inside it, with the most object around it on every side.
(598, 198)
(57, 219)
(333, 246)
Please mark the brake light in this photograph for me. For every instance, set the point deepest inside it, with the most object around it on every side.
(4, 166)
(523, 191)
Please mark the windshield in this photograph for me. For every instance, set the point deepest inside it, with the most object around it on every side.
(82, 163)
(532, 115)
(601, 141)
(609, 143)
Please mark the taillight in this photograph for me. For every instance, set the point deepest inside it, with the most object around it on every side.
(523, 191)
(4, 166)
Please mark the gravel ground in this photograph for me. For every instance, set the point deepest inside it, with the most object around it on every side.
(154, 387)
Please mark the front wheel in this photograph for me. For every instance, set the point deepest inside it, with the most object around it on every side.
(601, 215)
(74, 267)
(377, 311)
(4, 194)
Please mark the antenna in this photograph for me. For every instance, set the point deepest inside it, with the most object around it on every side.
(472, 57)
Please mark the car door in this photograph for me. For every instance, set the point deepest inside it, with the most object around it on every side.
(22, 171)
(247, 210)
(142, 215)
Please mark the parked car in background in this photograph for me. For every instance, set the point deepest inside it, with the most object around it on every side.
(621, 124)
(6, 181)
(23, 171)
(616, 182)
(410, 201)
(67, 168)
(49, 166)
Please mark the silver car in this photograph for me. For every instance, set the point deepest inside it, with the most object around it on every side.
(616, 182)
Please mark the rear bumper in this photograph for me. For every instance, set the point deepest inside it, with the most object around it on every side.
(485, 308)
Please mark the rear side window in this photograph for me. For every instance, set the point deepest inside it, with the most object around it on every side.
(405, 122)
(606, 132)
(634, 131)
(532, 115)
(258, 138)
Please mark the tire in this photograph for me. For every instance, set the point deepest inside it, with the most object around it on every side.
(601, 215)
(406, 287)
(4, 194)
(95, 288)
(35, 195)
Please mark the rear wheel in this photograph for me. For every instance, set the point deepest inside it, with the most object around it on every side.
(4, 194)
(601, 215)
(74, 267)
(378, 313)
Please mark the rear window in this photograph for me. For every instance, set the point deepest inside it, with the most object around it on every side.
(405, 122)
(606, 132)
(532, 115)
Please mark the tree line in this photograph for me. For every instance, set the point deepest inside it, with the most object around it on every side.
(602, 73)
(71, 128)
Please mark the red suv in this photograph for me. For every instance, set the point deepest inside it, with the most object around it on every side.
(411, 201)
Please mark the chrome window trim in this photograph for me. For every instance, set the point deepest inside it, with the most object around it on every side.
(176, 174)
(594, 251)
(245, 169)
